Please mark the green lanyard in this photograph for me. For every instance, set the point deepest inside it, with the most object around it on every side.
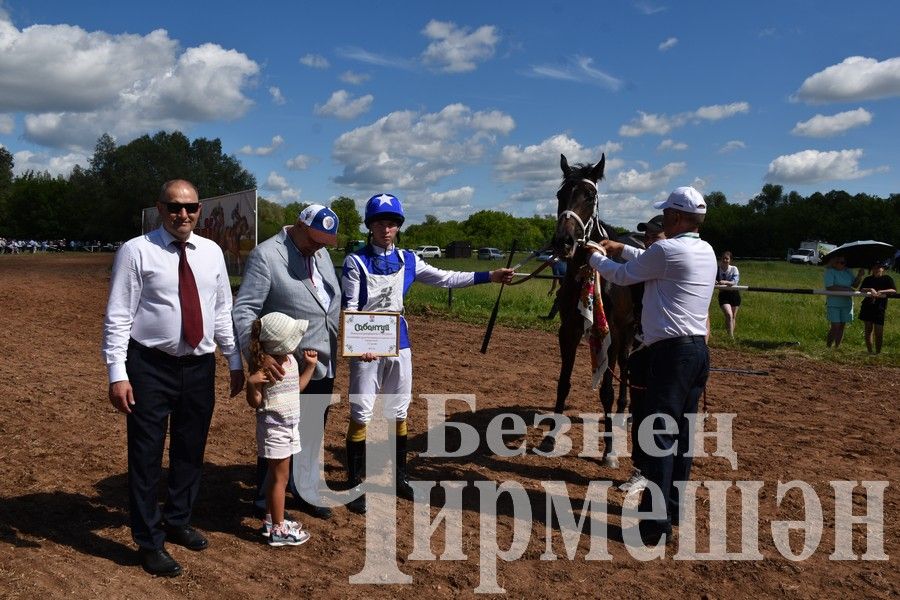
(689, 234)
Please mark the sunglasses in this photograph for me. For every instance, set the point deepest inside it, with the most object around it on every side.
(175, 207)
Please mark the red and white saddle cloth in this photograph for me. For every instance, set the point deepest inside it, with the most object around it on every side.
(596, 327)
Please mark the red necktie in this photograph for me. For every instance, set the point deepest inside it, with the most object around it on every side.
(191, 315)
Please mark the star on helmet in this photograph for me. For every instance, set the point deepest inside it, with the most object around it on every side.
(385, 199)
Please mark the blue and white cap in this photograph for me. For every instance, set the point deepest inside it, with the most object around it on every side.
(321, 222)
(384, 206)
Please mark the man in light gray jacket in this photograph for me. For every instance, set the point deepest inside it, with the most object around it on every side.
(292, 273)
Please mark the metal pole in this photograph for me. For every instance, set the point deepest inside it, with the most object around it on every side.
(752, 288)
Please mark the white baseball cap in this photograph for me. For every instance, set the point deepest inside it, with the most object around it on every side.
(686, 199)
(280, 334)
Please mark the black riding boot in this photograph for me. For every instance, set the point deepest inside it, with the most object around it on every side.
(356, 463)
(404, 490)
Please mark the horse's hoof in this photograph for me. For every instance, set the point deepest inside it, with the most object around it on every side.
(610, 461)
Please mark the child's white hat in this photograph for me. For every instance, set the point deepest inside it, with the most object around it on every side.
(280, 334)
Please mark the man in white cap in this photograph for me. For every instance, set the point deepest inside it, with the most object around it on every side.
(292, 273)
(679, 272)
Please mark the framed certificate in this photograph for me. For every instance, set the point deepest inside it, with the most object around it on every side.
(375, 332)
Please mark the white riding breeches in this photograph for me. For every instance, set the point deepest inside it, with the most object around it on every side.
(389, 377)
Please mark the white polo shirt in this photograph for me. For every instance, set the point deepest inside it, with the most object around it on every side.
(679, 273)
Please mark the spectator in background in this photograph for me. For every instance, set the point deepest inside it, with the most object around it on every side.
(839, 309)
(873, 307)
(729, 300)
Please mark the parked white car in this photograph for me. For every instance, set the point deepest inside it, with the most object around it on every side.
(428, 252)
(805, 256)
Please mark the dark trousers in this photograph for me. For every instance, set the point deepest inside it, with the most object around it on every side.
(638, 367)
(678, 371)
(178, 395)
(311, 435)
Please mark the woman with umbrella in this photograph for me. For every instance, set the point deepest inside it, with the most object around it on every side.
(873, 307)
(839, 308)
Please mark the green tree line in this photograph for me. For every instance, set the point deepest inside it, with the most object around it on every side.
(104, 199)
(772, 221)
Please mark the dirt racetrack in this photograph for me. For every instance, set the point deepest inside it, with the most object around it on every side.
(64, 526)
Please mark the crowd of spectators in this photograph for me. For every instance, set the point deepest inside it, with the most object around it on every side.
(13, 246)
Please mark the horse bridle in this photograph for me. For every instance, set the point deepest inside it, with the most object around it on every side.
(593, 220)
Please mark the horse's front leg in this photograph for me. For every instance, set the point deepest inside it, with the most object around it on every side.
(568, 347)
(607, 392)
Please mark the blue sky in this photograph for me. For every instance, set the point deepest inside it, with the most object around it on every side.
(461, 106)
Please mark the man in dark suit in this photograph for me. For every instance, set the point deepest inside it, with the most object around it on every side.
(169, 306)
(292, 273)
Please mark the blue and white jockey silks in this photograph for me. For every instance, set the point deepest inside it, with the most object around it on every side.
(377, 280)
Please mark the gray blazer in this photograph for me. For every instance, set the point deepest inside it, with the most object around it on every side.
(276, 280)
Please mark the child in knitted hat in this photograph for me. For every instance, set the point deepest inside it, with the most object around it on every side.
(277, 405)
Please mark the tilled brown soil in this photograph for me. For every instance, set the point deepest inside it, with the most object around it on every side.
(64, 526)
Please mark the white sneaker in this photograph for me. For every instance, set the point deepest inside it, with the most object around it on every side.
(285, 535)
(635, 483)
(266, 529)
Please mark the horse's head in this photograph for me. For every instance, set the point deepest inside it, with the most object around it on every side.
(577, 205)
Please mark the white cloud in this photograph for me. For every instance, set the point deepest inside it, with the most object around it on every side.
(277, 141)
(25, 160)
(354, 78)
(125, 85)
(536, 167)
(813, 166)
(281, 187)
(731, 146)
(406, 150)
(301, 162)
(454, 50)
(455, 204)
(7, 124)
(539, 163)
(633, 181)
(669, 144)
(343, 106)
(648, 8)
(314, 61)
(579, 69)
(826, 126)
(647, 123)
(277, 96)
(856, 78)
(650, 123)
(381, 60)
(289, 195)
(717, 112)
(668, 44)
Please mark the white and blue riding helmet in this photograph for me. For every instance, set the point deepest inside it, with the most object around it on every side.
(384, 206)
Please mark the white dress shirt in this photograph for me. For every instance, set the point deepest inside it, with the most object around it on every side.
(679, 273)
(144, 305)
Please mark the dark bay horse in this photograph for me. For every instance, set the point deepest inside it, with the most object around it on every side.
(577, 222)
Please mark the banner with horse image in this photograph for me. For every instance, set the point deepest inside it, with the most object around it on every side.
(229, 221)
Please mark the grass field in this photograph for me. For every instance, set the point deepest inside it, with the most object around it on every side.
(767, 322)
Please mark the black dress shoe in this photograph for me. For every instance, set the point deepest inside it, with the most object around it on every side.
(319, 512)
(158, 562)
(187, 536)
